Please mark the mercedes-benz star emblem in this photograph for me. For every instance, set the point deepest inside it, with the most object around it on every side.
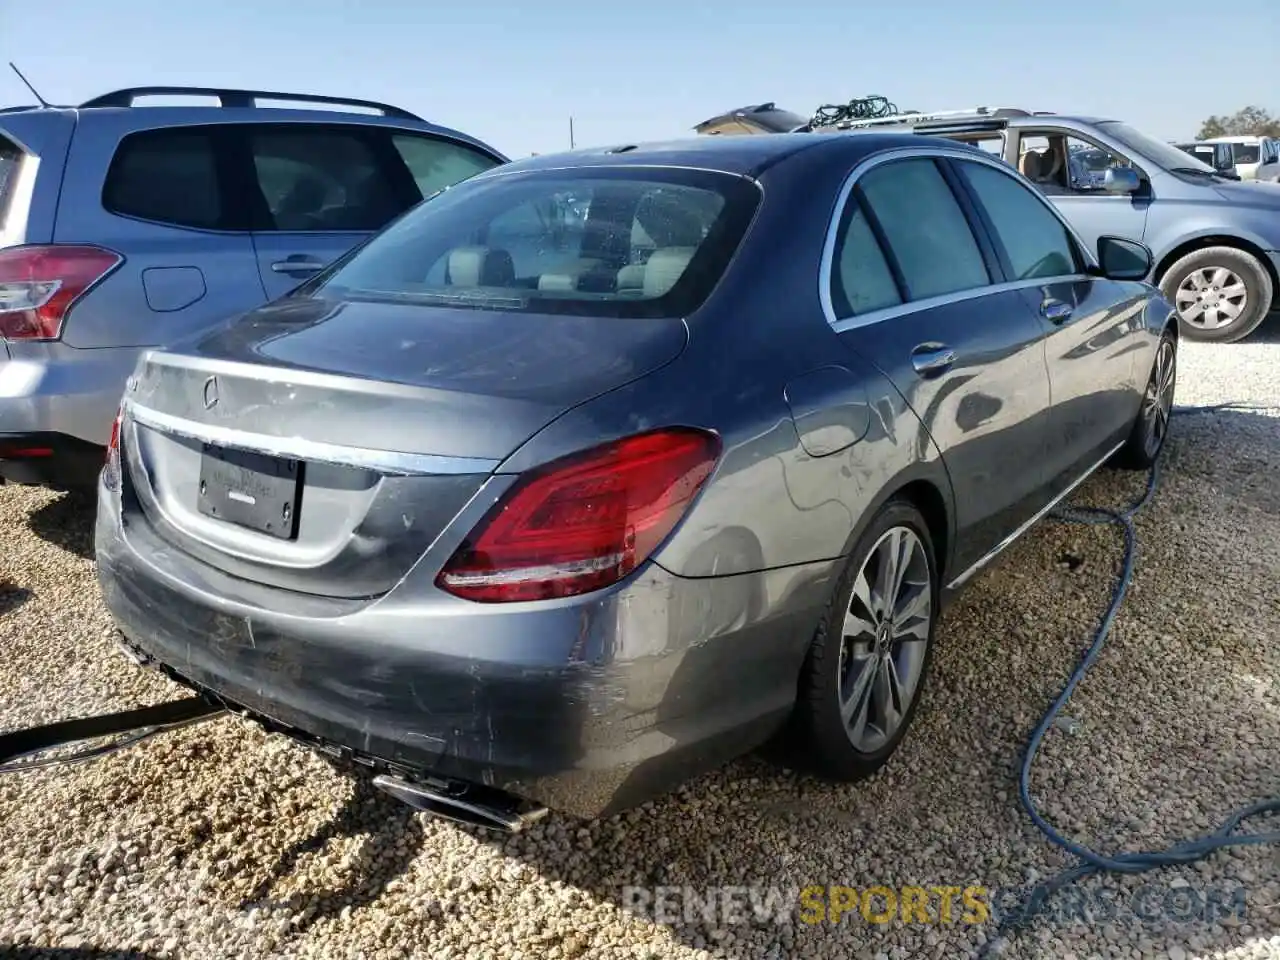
(211, 393)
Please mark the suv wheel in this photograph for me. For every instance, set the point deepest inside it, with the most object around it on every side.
(870, 656)
(1221, 294)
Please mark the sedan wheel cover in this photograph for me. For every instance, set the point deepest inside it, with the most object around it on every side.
(885, 639)
(1157, 402)
(1211, 298)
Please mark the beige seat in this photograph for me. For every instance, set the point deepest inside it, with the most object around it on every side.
(664, 269)
(1029, 166)
(480, 267)
(567, 275)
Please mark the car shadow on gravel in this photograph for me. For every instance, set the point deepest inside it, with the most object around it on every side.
(12, 596)
(67, 523)
(393, 838)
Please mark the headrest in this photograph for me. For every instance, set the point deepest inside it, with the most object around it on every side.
(664, 268)
(480, 267)
(1029, 165)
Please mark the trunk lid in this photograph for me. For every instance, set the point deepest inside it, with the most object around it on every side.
(392, 414)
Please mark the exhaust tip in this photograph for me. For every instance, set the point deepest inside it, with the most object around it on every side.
(497, 812)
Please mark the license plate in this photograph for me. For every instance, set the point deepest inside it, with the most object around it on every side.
(251, 490)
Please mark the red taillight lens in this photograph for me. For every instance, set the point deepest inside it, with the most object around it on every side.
(583, 522)
(113, 445)
(111, 470)
(38, 285)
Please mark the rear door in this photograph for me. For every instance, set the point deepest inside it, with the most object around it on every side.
(323, 188)
(915, 288)
(1094, 326)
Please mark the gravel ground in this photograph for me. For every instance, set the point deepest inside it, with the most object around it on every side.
(218, 841)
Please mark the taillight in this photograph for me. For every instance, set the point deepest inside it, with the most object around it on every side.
(111, 470)
(39, 284)
(583, 522)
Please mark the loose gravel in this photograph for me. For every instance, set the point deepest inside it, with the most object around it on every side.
(219, 841)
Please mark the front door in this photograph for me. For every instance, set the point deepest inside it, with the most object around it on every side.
(1095, 327)
(913, 291)
(1072, 177)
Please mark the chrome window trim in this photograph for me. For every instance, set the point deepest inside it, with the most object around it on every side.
(315, 451)
(854, 321)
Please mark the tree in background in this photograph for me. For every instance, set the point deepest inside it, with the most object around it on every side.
(1250, 121)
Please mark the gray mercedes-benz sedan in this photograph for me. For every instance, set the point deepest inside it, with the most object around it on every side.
(599, 469)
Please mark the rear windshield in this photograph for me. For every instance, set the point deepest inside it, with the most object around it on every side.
(1246, 152)
(10, 158)
(609, 242)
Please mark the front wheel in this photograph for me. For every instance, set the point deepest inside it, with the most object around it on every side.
(869, 657)
(1221, 294)
(1151, 428)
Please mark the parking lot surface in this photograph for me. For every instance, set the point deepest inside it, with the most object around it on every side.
(220, 841)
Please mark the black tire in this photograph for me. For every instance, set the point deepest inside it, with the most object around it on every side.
(1252, 273)
(819, 739)
(1151, 426)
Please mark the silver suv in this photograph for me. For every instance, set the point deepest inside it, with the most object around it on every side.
(125, 227)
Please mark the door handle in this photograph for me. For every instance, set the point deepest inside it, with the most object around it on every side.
(930, 359)
(1055, 311)
(298, 263)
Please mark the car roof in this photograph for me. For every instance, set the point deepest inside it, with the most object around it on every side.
(1243, 138)
(743, 155)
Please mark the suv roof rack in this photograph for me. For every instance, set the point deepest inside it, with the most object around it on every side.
(239, 98)
(939, 117)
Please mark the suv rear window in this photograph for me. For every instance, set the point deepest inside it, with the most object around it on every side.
(168, 176)
(610, 242)
(10, 159)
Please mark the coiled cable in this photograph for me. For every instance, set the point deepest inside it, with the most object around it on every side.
(874, 107)
(1091, 862)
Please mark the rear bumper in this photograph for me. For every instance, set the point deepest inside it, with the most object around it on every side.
(51, 388)
(587, 706)
(50, 459)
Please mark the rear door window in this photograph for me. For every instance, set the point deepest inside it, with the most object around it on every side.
(925, 228)
(861, 279)
(436, 163)
(167, 176)
(607, 242)
(327, 179)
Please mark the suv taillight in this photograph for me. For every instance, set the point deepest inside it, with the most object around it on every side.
(583, 522)
(111, 469)
(39, 284)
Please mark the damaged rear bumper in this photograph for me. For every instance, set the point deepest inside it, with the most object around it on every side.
(587, 706)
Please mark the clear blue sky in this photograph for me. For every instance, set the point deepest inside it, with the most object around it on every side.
(512, 73)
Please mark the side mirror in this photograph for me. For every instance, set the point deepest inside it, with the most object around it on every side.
(1121, 180)
(1122, 259)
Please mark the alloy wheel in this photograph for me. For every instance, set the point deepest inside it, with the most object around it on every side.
(1211, 298)
(885, 639)
(1157, 402)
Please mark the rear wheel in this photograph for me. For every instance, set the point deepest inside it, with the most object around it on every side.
(869, 658)
(1146, 439)
(1221, 294)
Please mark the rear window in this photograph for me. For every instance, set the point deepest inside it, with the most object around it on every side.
(10, 159)
(610, 242)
